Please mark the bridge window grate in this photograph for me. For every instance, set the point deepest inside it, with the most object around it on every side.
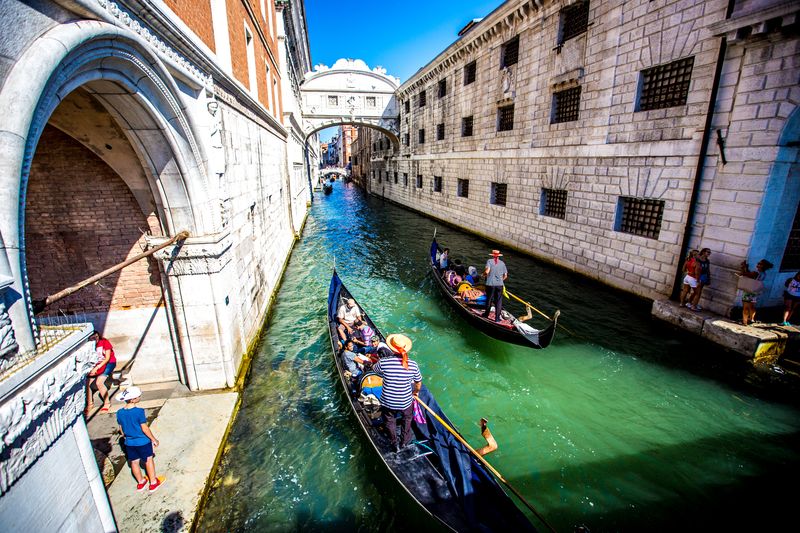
(419, 181)
(566, 105)
(442, 88)
(470, 71)
(640, 216)
(666, 85)
(333, 100)
(372, 101)
(505, 118)
(466, 127)
(421, 138)
(440, 132)
(437, 184)
(423, 98)
(463, 188)
(498, 194)
(554, 203)
(510, 54)
(574, 21)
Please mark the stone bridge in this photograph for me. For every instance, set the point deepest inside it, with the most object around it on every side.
(350, 92)
(333, 170)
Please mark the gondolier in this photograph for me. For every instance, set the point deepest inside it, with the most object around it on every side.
(496, 273)
(401, 382)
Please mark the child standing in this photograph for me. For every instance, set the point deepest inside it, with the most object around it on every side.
(139, 440)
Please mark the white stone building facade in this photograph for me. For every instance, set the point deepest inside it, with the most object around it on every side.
(582, 132)
(126, 122)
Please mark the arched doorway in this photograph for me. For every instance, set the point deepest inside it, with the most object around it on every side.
(108, 161)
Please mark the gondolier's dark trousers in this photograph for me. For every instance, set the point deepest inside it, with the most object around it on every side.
(494, 296)
(391, 423)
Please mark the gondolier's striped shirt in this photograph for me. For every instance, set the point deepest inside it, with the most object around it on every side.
(397, 382)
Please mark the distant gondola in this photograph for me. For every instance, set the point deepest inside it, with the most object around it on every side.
(436, 470)
(509, 329)
(327, 188)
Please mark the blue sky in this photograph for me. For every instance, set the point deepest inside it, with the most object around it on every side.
(401, 37)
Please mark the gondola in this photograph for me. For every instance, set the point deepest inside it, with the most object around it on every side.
(436, 470)
(327, 188)
(509, 329)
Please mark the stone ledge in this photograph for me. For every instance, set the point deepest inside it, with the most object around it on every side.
(753, 342)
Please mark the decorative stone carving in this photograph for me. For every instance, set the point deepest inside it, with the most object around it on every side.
(8, 343)
(40, 409)
(195, 257)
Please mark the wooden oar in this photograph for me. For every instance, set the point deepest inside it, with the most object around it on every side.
(486, 464)
(523, 302)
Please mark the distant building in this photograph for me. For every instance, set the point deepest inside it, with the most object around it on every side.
(610, 137)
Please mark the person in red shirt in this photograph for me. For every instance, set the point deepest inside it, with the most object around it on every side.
(689, 279)
(106, 362)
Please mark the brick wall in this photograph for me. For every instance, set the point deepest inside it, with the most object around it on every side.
(197, 15)
(81, 218)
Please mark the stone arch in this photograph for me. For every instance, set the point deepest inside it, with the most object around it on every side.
(390, 134)
(135, 87)
(337, 170)
(780, 205)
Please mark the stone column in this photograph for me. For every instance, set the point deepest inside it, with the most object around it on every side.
(199, 275)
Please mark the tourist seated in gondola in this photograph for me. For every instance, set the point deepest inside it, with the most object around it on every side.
(470, 294)
(444, 259)
(353, 362)
(472, 275)
(347, 315)
(451, 278)
(362, 334)
(458, 268)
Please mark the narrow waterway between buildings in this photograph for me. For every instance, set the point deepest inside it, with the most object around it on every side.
(621, 426)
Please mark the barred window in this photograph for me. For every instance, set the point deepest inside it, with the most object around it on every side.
(791, 255)
(466, 127)
(505, 118)
(470, 70)
(405, 179)
(442, 88)
(395, 178)
(422, 136)
(374, 147)
(463, 188)
(419, 181)
(407, 103)
(640, 216)
(437, 184)
(333, 100)
(380, 177)
(665, 85)
(406, 139)
(554, 203)
(574, 20)
(498, 194)
(566, 105)
(510, 53)
(423, 99)
(371, 101)
(355, 160)
(440, 132)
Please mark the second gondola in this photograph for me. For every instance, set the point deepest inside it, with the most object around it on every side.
(470, 306)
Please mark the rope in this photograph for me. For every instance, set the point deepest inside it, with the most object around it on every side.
(486, 464)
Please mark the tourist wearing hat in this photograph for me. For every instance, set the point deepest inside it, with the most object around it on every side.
(139, 440)
(496, 273)
(402, 381)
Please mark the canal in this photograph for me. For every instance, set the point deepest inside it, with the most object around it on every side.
(620, 425)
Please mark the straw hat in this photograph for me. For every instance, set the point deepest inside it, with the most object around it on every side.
(398, 341)
(496, 252)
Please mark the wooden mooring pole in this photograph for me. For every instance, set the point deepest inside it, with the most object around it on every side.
(40, 305)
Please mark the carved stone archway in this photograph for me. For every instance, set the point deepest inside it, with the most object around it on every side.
(350, 92)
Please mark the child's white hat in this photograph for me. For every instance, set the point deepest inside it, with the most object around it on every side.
(129, 394)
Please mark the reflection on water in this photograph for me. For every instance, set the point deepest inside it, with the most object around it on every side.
(624, 425)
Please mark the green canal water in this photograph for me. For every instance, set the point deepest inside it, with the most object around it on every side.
(621, 425)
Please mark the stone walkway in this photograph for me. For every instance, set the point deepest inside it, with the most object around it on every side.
(190, 427)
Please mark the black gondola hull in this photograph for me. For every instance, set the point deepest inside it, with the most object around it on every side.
(435, 480)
